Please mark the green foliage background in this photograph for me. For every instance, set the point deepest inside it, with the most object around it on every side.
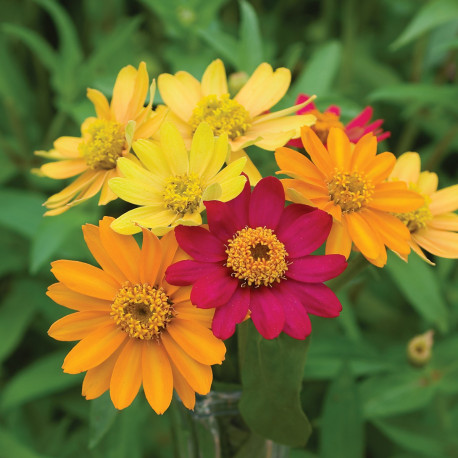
(360, 394)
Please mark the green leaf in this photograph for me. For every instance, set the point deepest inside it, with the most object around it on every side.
(431, 15)
(101, 418)
(272, 381)
(393, 394)
(342, 422)
(43, 377)
(14, 447)
(22, 211)
(250, 46)
(321, 70)
(13, 323)
(420, 287)
(221, 42)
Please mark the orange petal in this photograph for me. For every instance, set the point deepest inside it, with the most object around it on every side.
(187, 311)
(339, 148)
(102, 108)
(339, 240)
(364, 153)
(94, 349)
(63, 295)
(64, 169)
(150, 260)
(440, 243)
(183, 389)
(127, 374)
(334, 210)
(78, 325)
(419, 251)
(316, 151)
(169, 247)
(307, 189)
(85, 279)
(380, 167)
(198, 375)
(157, 376)
(123, 250)
(288, 159)
(197, 341)
(396, 201)
(444, 222)
(362, 235)
(444, 201)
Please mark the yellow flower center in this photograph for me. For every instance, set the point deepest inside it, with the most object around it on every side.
(182, 193)
(417, 219)
(142, 311)
(222, 114)
(324, 122)
(256, 257)
(103, 144)
(351, 191)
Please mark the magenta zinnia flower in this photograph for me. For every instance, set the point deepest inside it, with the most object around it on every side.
(355, 129)
(255, 256)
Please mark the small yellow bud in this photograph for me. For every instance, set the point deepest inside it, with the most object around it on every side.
(419, 349)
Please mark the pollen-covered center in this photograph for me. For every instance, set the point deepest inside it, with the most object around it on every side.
(351, 191)
(183, 193)
(417, 219)
(103, 143)
(256, 257)
(142, 311)
(324, 122)
(222, 114)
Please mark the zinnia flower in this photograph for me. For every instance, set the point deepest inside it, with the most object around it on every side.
(256, 256)
(243, 118)
(347, 181)
(173, 183)
(433, 226)
(94, 155)
(355, 129)
(133, 327)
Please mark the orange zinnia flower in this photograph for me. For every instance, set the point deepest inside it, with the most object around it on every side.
(347, 181)
(134, 328)
(93, 156)
(432, 226)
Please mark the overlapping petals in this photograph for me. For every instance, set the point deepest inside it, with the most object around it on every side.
(163, 344)
(297, 288)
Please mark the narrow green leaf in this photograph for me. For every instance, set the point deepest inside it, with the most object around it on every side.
(321, 70)
(420, 286)
(272, 381)
(430, 15)
(221, 42)
(342, 422)
(250, 46)
(43, 377)
(101, 418)
(12, 446)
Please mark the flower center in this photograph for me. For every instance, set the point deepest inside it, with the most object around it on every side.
(351, 191)
(256, 257)
(222, 114)
(103, 144)
(142, 311)
(324, 122)
(183, 193)
(417, 219)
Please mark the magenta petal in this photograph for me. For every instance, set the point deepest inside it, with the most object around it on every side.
(316, 269)
(267, 313)
(234, 312)
(295, 142)
(267, 203)
(215, 289)
(307, 233)
(187, 272)
(383, 136)
(200, 243)
(297, 321)
(239, 207)
(222, 222)
(333, 109)
(290, 214)
(318, 299)
(302, 98)
(363, 118)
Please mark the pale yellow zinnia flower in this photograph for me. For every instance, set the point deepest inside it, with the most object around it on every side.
(170, 184)
(245, 118)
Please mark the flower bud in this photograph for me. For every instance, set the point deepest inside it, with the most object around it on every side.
(419, 349)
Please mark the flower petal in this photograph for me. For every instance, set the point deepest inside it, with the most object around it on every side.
(339, 148)
(288, 159)
(199, 243)
(188, 272)
(64, 169)
(267, 203)
(380, 167)
(318, 299)
(444, 222)
(64, 296)
(363, 235)
(395, 200)
(214, 81)
(316, 151)
(316, 269)
(339, 240)
(151, 216)
(444, 200)
(439, 243)
(183, 389)
(267, 313)
(364, 153)
(77, 326)
(174, 149)
(407, 168)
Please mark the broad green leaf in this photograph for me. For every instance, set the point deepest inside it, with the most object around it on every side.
(41, 378)
(445, 365)
(431, 15)
(15, 253)
(342, 421)
(101, 418)
(320, 71)
(16, 312)
(419, 285)
(393, 394)
(22, 211)
(250, 46)
(12, 446)
(272, 381)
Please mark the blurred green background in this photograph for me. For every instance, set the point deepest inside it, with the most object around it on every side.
(361, 395)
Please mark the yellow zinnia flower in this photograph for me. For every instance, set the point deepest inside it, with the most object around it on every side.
(245, 118)
(134, 328)
(348, 182)
(433, 226)
(174, 183)
(94, 155)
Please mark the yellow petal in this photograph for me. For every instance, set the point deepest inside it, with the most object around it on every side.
(68, 146)
(440, 243)
(122, 92)
(214, 81)
(444, 222)
(444, 200)
(232, 188)
(203, 151)
(64, 169)
(174, 149)
(151, 216)
(407, 167)
(153, 158)
(427, 183)
(135, 192)
(102, 108)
